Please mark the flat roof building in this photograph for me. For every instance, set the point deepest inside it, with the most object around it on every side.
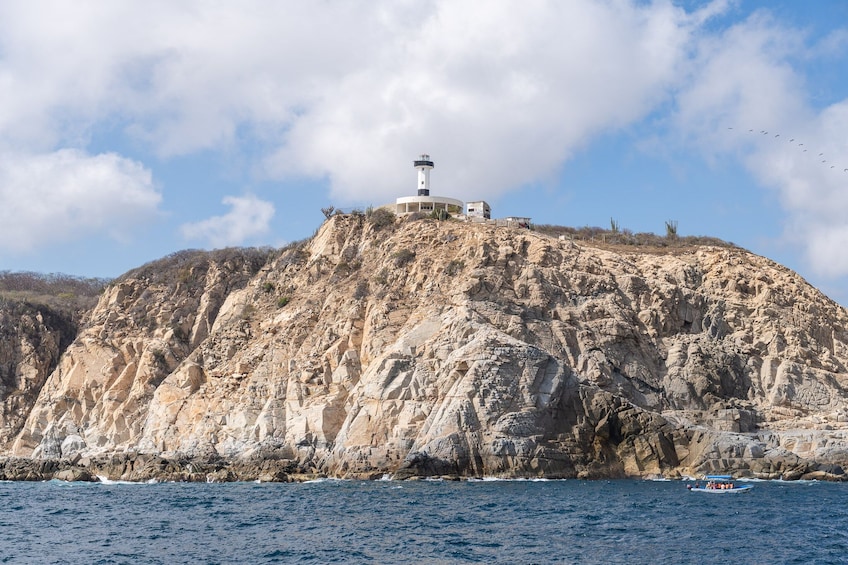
(479, 209)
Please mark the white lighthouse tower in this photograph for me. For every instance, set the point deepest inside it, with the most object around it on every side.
(424, 165)
(423, 203)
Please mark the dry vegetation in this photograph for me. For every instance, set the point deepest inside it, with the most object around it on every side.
(30, 301)
(625, 239)
(58, 291)
(188, 268)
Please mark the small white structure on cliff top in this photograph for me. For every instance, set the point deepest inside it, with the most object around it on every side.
(423, 202)
(479, 209)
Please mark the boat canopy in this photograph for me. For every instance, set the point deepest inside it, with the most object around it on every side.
(719, 477)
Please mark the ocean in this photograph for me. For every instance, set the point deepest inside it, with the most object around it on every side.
(328, 521)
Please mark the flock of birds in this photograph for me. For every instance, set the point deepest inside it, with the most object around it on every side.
(800, 146)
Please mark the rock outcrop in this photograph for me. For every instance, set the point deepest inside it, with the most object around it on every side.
(32, 339)
(446, 348)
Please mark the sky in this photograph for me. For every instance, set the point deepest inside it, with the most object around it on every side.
(131, 130)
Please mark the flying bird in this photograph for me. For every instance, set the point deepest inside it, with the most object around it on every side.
(778, 135)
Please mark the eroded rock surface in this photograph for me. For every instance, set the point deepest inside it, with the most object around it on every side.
(32, 339)
(445, 348)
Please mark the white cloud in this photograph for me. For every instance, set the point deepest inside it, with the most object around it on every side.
(184, 76)
(248, 219)
(353, 91)
(499, 96)
(742, 79)
(68, 194)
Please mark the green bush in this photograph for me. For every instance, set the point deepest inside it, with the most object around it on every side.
(454, 267)
(361, 290)
(382, 217)
(282, 301)
(416, 216)
(248, 311)
(159, 358)
(382, 277)
(403, 257)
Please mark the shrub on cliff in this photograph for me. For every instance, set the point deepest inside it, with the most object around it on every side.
(381, 217)
(64, 293)
(362, 290)
(454, 267)
(619, 236)
(54, 284)
(188, 267)
(403, 257)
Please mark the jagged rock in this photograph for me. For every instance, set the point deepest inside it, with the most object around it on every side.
(74, 474)
(450, 349)
(221, 476)
(32, 339)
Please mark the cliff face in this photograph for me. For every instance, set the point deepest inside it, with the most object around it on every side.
(32, 338)
(441, 348)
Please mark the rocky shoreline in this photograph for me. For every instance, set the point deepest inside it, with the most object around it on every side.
(150, 468)
(142, 468)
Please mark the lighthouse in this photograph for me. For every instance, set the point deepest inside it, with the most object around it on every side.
(423, 164)
(423, 203)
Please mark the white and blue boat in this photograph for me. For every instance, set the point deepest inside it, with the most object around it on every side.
(719, 484)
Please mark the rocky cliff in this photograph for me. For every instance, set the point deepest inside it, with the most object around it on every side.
(445, 348)
(32, 338)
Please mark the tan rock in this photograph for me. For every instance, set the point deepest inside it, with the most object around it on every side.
(446, 348)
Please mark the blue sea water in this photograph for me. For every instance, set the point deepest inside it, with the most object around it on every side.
(329, 521)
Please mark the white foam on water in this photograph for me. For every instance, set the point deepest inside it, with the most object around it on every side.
(518, 479)
(326, 480)
(107, 481)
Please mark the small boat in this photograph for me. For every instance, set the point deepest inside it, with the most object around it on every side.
(719, 484)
